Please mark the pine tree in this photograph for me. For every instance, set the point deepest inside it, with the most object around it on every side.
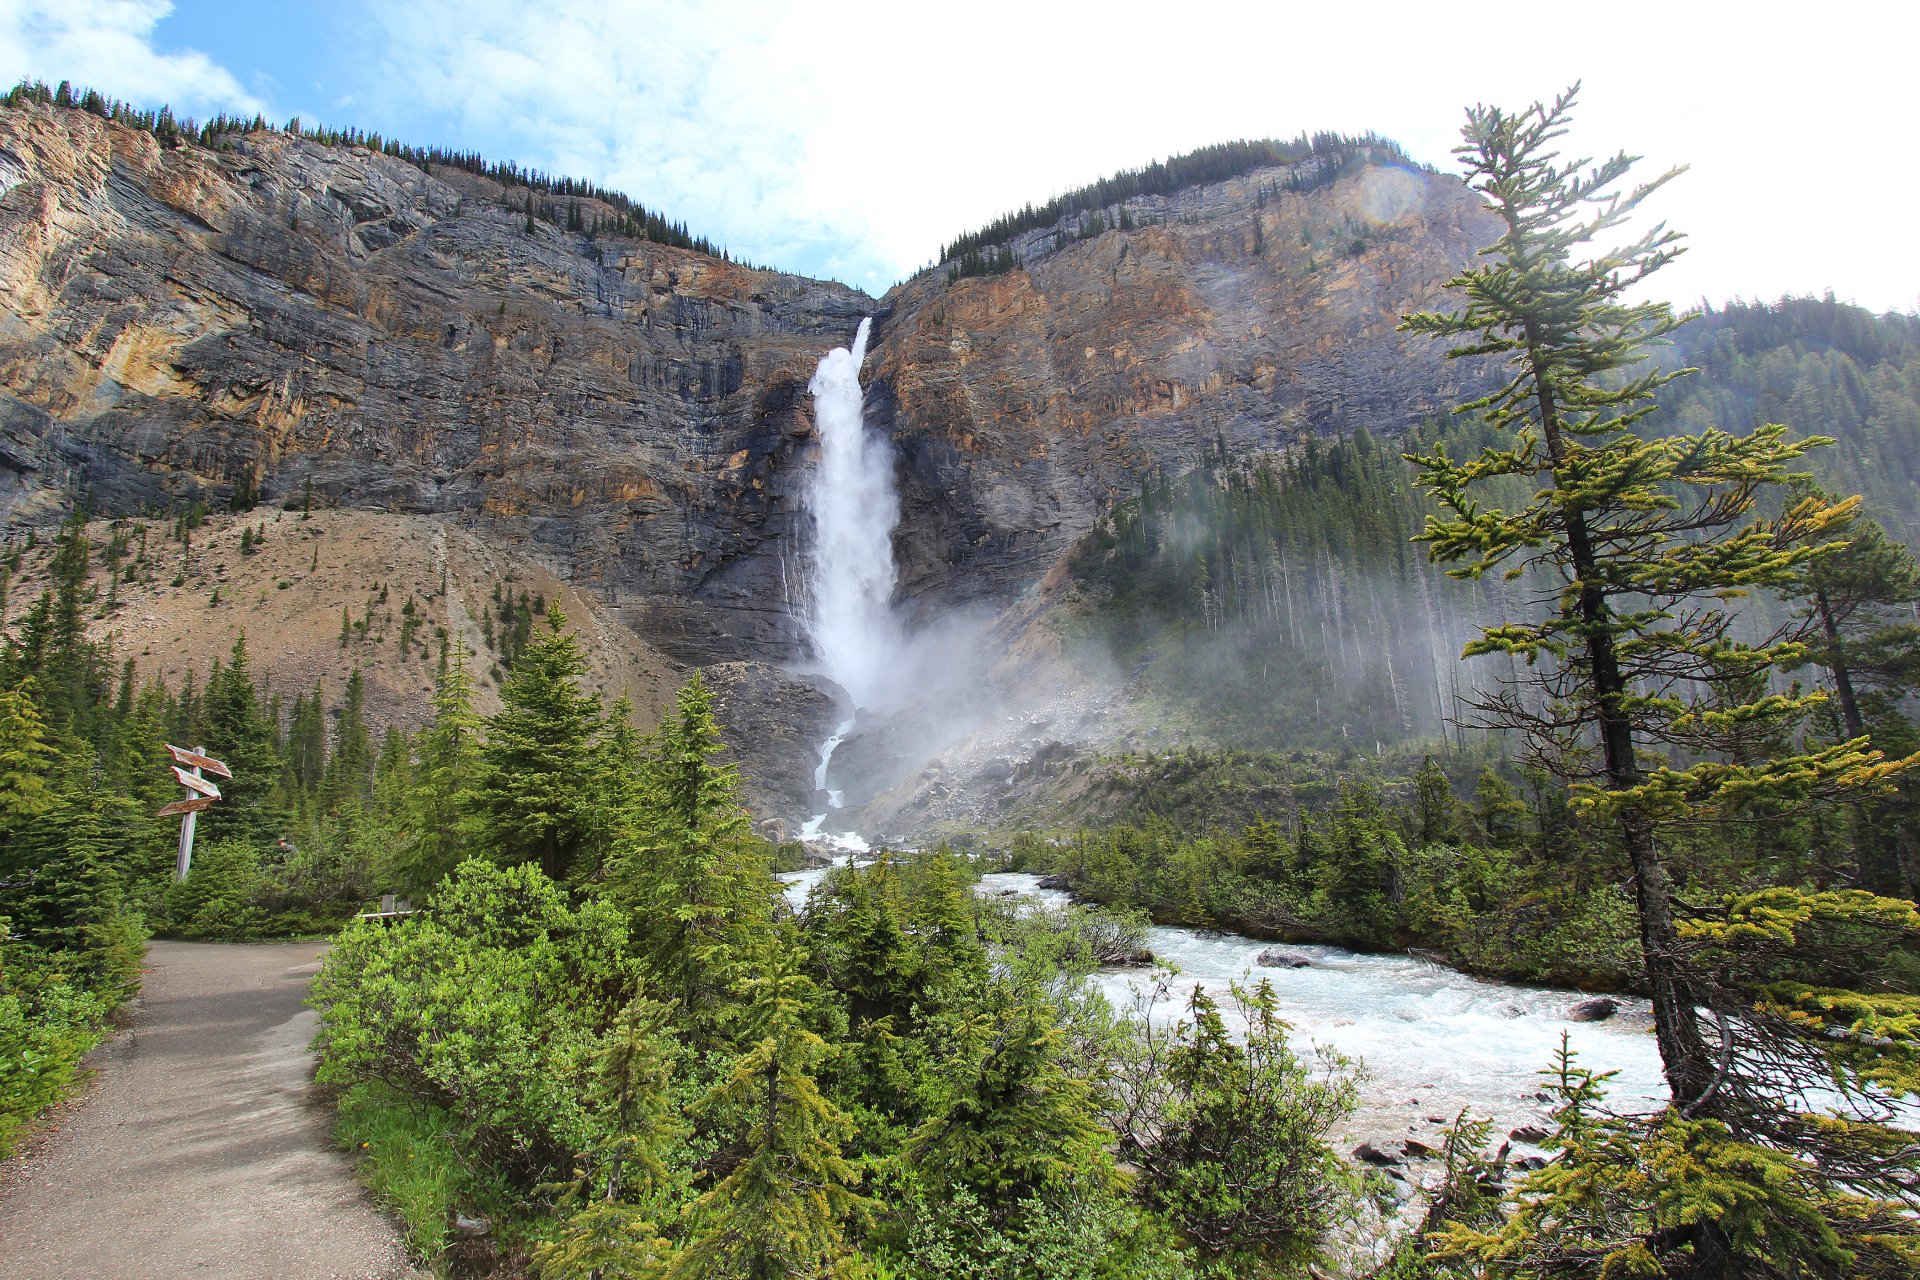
(610, 1233)
(1868, 582)
(1642, 539)
(1008, 1119)
(537, 762)
(1229, 1133)
(307, 740)
(349, 773)
(781, 1210)
(443, 829)
(238, 732)
(65, 870)
(26, 757)
(689, 865)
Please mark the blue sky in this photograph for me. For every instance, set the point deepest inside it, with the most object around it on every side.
(849, 140)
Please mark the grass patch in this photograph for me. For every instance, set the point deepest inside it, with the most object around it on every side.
(405, 1157)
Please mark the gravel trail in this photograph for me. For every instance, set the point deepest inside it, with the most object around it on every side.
(197, 1151)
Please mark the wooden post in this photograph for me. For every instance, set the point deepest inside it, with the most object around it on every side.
(189, 770)
(184, 861)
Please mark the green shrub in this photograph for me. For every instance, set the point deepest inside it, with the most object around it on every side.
(48, 1023)
(216, 900)
(488, 1006)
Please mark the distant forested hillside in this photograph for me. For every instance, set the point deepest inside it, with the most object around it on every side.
(1281, 601)
(1823, 368)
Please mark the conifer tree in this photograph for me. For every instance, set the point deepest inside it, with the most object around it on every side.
(443, 829)
(1868, 582)
(349, 773)
(238, 732)
(307, 741)
(782, 1209)
(610, 1233)
(689, 864)
(1008, 1119)
(26, 757)
(1642, 540)
(537, 762)
(1230, 1135)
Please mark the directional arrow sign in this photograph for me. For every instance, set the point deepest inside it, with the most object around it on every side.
(192, 783)
(194, 760)
(179, 807)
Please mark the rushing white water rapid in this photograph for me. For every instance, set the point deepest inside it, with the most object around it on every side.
(1433, 1039)
(855, 508)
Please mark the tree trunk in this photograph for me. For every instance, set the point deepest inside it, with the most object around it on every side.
(1688, 1066)
(1837, 664)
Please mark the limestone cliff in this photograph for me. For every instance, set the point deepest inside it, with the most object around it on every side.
(179, 322)
(280, 317)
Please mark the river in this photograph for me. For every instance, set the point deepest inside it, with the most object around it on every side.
(1431, 1039)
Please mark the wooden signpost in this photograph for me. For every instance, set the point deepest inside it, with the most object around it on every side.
(189, 767)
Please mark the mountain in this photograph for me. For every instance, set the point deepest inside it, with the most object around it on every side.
(466, 364)
(187, 321)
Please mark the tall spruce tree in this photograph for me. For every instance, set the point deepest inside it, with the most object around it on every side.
(442, 827)
(1639, 680)
(535, 782)
(239, 732)
(782, 1209)
(689, 864)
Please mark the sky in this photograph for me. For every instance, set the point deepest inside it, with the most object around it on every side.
(850, 140)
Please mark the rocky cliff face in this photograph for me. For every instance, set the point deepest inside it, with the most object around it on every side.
(1234, 315)
(283, 317)
(181, 321)
(278, 314)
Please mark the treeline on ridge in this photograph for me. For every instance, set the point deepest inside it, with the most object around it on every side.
(628, 217)
(983, 251)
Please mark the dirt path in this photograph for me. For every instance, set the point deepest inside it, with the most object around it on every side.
(196, 1152)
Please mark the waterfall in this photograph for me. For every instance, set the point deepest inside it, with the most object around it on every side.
(855, 634)
(854, 508)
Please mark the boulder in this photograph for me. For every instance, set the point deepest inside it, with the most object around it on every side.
(1528, 1133)
(1277, 958)
(1595, 1010)
(1368, 1153)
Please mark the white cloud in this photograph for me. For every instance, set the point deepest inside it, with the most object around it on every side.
(108, 45)
(852, 139)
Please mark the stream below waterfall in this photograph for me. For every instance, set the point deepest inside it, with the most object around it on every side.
(1432, 1040)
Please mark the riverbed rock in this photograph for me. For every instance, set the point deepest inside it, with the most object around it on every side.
(1532, 1134)
(1595, 1010)
(1369, 1152)
(1414, 1149)
(1276, 958)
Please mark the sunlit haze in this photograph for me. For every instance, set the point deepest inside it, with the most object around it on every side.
(850, 141)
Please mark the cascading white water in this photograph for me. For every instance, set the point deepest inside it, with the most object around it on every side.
(854, 510)
(854, 506)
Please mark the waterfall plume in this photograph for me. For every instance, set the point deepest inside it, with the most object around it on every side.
(855, 507)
